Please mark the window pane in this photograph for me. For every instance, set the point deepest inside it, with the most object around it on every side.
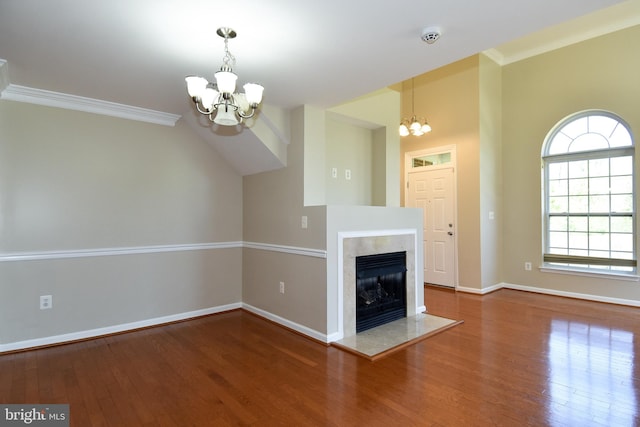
(621, 165)
(578, 223)
(588, 142)
(578, 204)
(579, 240)
(621, 203)
(599, 204)
(578, 252)
(576, 127)
(558, 223)
(578, 169)
(579, 187)
(599, 167)
(558, 170)
(560, 144)
(622, 255)
(558, 204)
(558, 239)
(559, 187)
(431, 160)
(620, 137)
(598, 224)
(599, 185)
(599, 241)
(621, 184)
(621, 224)
(622, 242)
(603, 125)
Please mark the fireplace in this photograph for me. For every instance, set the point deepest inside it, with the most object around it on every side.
(354, 244)
(381, 295)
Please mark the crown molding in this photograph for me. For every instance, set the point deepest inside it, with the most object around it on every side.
(89, 105)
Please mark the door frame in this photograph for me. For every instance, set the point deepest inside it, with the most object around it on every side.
(408, 168)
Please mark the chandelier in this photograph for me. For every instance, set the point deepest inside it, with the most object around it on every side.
(416, 126)
(218, 100)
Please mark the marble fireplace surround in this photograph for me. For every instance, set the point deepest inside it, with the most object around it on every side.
(359, 243)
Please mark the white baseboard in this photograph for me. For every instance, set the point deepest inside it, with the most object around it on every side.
(546, 291)
(577, 295)
(326, 338)
(287, 323)
(124, 327)
(477, 291)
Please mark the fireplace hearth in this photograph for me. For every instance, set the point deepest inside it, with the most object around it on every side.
(380, 289)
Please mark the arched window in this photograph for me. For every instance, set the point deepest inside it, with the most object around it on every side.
(589, 194)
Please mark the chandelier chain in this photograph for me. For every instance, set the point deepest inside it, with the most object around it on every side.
(413, 99)
(415, 125)
(228, 61)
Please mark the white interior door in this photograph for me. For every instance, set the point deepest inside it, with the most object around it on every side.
(433, 191)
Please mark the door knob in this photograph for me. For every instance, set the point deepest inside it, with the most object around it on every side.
(450, 233)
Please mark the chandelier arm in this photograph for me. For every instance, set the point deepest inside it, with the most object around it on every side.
(247, 116)
(205, 111)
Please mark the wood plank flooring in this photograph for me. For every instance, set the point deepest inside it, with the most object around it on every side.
(519, 359)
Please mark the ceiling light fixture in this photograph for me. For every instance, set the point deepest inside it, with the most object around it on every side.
(416, 126)
(218, 100)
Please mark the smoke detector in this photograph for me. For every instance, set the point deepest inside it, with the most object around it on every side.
(430, 35)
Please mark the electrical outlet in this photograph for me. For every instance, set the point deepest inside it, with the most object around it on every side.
(282, 287)
(304, 221)
(46, 302)
(334, 172)
(527, 266)
(347, 174)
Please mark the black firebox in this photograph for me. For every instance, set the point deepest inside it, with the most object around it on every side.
(381, 289)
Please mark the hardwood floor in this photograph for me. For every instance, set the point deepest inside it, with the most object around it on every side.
(518, 359)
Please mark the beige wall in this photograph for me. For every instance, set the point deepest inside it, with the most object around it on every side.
(379, 111)
(538, 92)
(273, 208)
(349, 147)
(490, 106)
(77, 182)
(449, 99)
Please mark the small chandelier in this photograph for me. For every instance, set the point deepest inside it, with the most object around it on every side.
(218, 100)
(416, 126)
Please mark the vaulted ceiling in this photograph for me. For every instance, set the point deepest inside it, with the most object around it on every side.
(318, 53)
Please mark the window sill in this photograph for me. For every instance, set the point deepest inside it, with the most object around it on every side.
(630, 277)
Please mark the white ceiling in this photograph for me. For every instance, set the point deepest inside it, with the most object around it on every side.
(319, 53)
